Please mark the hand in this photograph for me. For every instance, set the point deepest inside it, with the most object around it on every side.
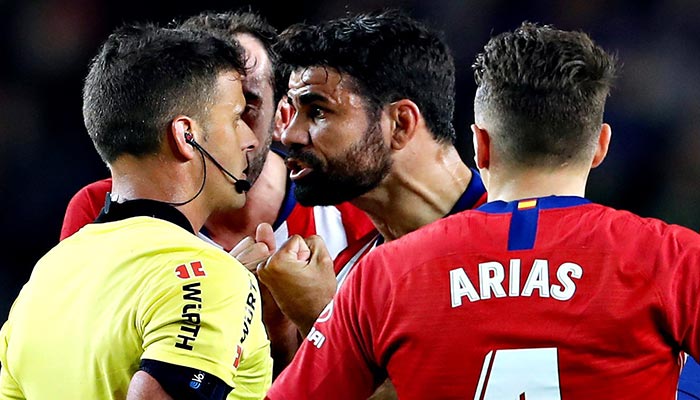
(301, 278)
(252, 251)
(281, 331)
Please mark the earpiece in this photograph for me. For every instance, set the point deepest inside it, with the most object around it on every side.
(241, 185)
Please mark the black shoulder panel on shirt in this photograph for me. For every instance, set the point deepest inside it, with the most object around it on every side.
(184, 383)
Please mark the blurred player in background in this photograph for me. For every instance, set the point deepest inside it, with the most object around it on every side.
(271, 198)
(537, 294)
(136, 306)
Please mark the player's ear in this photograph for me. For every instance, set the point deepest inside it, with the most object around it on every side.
(482, 147)
(179, 127)
(602, 145)
(405, 117)
(283, 116)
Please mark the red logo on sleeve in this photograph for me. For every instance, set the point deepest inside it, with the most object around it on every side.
(239, 353)
(186, 271)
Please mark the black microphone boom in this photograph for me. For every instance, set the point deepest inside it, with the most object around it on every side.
(241, 185)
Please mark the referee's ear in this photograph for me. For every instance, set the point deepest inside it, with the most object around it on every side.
(179, 127)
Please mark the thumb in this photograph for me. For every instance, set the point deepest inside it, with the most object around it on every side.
(244, 244)
(265, 234)
(293, 252)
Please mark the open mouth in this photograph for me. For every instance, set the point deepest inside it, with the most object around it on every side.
(297, 168)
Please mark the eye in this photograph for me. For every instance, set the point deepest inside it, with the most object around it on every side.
(316, 112)
(250, 109)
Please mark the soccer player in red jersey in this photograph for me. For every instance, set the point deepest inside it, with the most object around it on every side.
(372, 124)
(539, 293)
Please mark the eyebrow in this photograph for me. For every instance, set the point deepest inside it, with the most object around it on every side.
(308, 98)
(252, 96)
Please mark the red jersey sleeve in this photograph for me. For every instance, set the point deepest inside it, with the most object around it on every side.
(678, 278)
(339, 359)
(85, 206)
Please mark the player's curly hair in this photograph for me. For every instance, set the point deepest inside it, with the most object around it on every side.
(143, 76)
(388, 56)
(542, 92)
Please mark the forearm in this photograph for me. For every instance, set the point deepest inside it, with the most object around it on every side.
(305, 317)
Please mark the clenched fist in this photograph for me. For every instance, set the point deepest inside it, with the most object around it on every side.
(301, 278)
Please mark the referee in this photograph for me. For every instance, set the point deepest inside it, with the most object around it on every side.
(135, 305)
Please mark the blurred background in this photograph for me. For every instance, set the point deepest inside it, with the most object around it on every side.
(653, 167)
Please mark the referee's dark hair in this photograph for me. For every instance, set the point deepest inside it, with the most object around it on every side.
(389, 57)
(143, 76)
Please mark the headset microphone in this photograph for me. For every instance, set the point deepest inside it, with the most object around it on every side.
(241, 185)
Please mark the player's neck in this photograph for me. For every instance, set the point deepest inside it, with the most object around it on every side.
(531, 183)
(422, 189)
(263, 204)
(156, 178)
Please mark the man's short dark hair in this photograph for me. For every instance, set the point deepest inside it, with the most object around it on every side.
(231, 23)
(543, 92)
(144, 76)
(388, 56)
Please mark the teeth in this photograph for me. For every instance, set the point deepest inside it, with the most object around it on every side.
(294, 165)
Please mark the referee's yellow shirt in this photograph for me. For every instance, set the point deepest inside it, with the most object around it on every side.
(117, 292)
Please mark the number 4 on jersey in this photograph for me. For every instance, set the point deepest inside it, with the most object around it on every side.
(519, 374)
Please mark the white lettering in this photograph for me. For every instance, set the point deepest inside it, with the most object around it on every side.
(316, 337)
(514, 278)
(491, 275)
(538, 279)
(567, 289)
(460, 286)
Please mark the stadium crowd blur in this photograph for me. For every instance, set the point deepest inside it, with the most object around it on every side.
(653, 167)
